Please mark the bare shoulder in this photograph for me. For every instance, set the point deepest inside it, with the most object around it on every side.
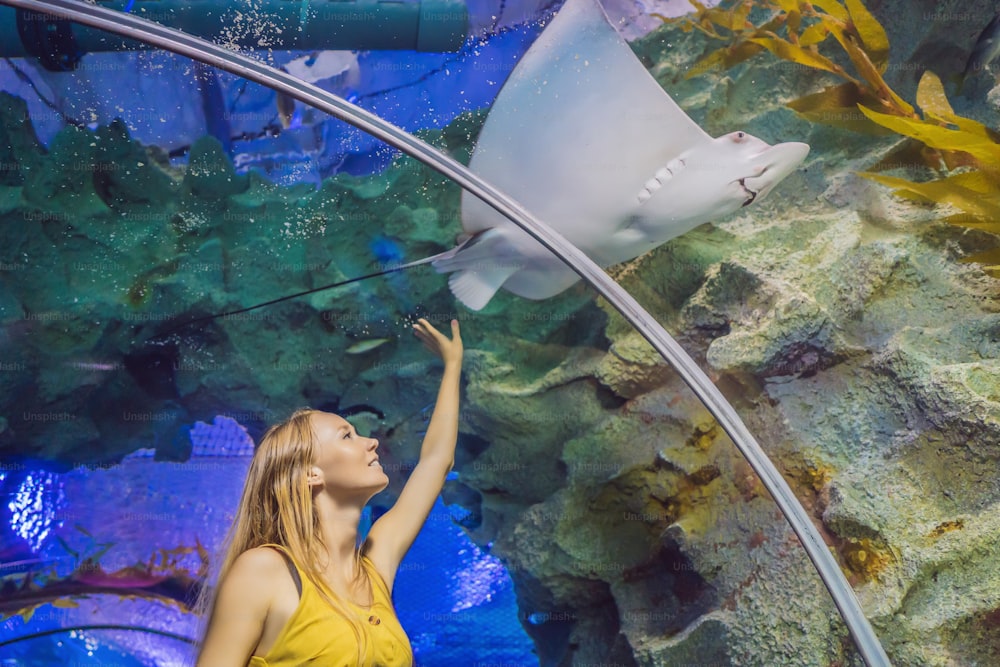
(259, 561)
(251, 578)
(258, 567)
(244, 598)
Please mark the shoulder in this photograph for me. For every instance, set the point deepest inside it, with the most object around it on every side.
(258, 567)
(250, 583)
(259, 560)
(241, 608)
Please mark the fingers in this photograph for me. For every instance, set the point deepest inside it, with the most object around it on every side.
(428, 335)
(434, 338)
(431, 330)
(425, 330)
(424, 324)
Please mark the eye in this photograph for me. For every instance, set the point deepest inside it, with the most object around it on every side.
(740, 136)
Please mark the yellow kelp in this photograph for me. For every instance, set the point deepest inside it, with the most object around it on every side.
(939, 138)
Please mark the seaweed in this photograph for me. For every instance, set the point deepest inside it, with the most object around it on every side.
(961, 151)
(794, 33)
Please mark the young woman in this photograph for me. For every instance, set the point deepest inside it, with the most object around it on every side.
(295, 588)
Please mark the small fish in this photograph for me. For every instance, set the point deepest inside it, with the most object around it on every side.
(94, 366)
(390, 256)
(337, 66)
(286, 110)
(366, 345)
(213, 105)
(320, 65)
(985, 51)
(386, 251)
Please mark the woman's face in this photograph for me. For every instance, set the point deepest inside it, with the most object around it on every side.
(347, 462)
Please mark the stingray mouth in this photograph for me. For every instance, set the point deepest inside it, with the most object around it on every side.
(751, 195)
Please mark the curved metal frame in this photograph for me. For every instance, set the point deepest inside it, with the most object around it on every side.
(864, 636)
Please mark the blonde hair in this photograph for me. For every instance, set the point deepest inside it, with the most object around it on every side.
(277, 507)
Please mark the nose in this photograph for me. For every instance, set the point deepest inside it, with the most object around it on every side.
(374, 444)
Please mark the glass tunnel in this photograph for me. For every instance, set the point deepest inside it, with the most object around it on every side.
(215, 213)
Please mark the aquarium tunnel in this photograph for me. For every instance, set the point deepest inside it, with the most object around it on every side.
(215, 213)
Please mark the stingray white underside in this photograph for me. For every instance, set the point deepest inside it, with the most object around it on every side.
(584, 137)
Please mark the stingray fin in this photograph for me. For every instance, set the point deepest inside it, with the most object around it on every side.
(476, 288)
(479, 267)
(484, 251)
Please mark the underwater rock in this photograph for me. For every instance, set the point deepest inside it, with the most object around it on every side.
(125, 173)
(63, 184)
(20, 149)
(210, 174)
(705, 642)
(633, 367)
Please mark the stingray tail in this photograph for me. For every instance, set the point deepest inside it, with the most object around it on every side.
(478, 268)
(447, 254)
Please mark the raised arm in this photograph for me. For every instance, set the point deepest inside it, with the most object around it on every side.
(392, 534)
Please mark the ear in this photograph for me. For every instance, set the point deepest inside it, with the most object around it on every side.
(315, 476)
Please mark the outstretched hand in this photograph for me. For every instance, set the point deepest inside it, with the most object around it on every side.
(450, 350)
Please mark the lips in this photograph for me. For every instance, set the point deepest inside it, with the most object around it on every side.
(374, 462)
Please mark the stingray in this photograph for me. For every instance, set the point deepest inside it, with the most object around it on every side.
(584, 137)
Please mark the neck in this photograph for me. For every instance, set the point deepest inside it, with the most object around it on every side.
(339, 527)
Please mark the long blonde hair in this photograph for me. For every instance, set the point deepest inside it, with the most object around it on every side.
(277, 507)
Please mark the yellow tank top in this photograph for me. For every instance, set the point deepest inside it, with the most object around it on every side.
(317, 635)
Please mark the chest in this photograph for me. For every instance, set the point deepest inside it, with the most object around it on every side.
(286, 601)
